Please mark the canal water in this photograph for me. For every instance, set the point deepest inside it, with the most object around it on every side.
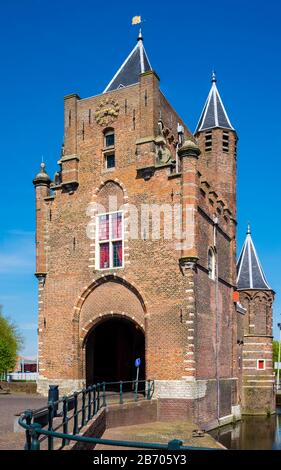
(252, 433)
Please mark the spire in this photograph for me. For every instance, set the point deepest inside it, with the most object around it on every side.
(136, 63)
(214, 113)
(250, 272)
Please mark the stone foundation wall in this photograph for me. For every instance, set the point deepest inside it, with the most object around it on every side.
(197, 400)
(66, 386)
(132, 413)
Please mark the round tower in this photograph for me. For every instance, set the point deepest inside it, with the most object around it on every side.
(256, 296)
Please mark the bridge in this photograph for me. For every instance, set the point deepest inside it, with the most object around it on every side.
(77, 421)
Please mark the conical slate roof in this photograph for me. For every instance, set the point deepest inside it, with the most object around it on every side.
(136, 63)
(214, 113)
(250, 273)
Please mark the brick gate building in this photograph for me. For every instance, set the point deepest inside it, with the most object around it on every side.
(136, 249)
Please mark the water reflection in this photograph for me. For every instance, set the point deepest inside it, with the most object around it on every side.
(252, 433)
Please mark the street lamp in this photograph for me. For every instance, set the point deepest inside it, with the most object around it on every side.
(279, 350)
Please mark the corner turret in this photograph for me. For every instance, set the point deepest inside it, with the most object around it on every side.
(217, 140)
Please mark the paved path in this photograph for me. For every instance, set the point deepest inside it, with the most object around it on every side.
(159, 432)
(11, 405)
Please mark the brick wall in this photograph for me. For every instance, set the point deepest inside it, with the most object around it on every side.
(258, 394)
(177, 307)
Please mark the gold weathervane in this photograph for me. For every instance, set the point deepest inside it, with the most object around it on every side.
(136, 20)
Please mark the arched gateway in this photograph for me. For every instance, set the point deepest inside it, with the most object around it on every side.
(111, 331)
(111, 348)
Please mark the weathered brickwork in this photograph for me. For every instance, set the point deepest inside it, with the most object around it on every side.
(188, 317)
(258, 383)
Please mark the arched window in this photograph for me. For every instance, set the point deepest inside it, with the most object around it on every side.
(109, 138)
(211, 264)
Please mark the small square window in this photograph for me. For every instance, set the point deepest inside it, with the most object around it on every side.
(260, 364)
(110, 160)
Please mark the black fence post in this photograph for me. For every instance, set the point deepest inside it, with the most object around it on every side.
(51, 412)
(53, 395)
(103, 395)
(75, 414)
(89, 403)
(83, 407)
(98, 399)
(28, 418)
(35, 433)
(94, 400)
(148, 389)
(121, 393)
(65, 420)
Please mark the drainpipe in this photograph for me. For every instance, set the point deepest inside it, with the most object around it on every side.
(216, 221)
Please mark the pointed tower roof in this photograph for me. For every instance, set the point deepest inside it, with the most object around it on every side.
(214, 113)
(136, 63)
(250, 272)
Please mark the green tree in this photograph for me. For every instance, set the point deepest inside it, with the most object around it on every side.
(10, 343)
(275, 349)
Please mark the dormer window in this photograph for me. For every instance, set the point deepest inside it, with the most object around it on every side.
(211, 264)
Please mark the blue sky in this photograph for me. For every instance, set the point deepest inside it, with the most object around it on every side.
(51, 48)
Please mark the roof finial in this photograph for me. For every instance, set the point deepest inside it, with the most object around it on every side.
(214, 77)
(248, 229)
(140, 38)
(42, 165)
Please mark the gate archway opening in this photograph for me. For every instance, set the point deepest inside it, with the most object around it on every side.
(112, 347)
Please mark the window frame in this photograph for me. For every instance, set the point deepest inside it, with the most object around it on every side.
(110, 241)
(208, 141)
(262, 360)
(225, 142)
(108, 149)
(106, 134)
(212, 272)
(107, 154)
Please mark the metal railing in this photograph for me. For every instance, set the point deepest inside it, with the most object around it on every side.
(26, 376)
(3, 376)
(71, 413)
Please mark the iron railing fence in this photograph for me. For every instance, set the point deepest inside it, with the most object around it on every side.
(71, 413)
(3, 376)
